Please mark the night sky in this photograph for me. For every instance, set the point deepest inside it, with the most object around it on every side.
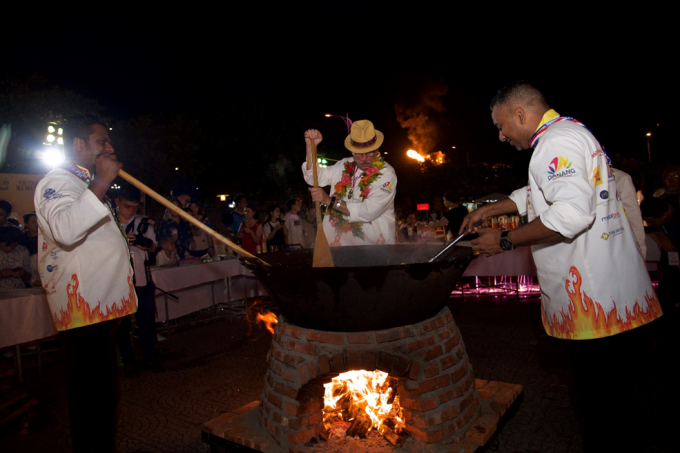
(609, 67)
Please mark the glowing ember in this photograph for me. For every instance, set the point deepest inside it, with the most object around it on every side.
(436, 158)
(362, 401)
(267, 319)
(413, 154)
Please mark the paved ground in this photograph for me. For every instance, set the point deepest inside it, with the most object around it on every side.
(219, 366)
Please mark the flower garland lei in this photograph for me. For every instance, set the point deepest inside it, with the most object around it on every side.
(338, 221)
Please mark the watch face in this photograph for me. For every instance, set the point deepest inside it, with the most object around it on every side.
(506, 244)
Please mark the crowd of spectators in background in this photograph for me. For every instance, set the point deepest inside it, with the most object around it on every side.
(274, 226)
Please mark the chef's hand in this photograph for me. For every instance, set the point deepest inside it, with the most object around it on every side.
(106, 168)
(320, 195)
(6, 273)
(312, 134)
(469, 221)
(488, 242)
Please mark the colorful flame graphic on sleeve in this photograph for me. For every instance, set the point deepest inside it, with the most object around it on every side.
(558, 163)
(586, 318)
(79, 313)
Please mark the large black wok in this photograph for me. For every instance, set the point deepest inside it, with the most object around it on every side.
(370, 287)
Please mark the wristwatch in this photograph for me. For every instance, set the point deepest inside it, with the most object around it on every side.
(506, 244)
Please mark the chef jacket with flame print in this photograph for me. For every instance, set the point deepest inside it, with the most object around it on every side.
(375, 212)
(83, 257)
(594, 283)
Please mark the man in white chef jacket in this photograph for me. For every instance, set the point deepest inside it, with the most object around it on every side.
(85, 268)
(594, 284)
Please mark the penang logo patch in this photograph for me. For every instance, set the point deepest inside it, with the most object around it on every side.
(559, 167)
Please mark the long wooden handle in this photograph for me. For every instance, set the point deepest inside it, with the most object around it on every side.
(162, 200)
(316, 182)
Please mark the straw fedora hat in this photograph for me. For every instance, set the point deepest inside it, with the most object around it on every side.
(363, 137)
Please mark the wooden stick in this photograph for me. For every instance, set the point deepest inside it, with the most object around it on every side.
(162, 200)
(391, 436)
(322, 251)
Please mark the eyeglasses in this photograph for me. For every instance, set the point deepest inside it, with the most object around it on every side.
(672, 176)
(364, 156)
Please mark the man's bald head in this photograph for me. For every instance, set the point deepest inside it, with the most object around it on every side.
(517, 110)
(520, 93)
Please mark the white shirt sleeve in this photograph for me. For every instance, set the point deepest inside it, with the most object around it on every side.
(69, 215)
(327, 176)
(519, 196)
(571, 196)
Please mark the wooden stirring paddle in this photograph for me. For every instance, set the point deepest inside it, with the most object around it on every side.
(322, 251)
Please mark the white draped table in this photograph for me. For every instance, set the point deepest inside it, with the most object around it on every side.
(507, 272)
(514, 262)
(202, 285)
(24, 316)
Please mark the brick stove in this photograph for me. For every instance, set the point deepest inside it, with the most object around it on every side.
(443, 404)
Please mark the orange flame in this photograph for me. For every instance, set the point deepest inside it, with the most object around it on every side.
(365, 391)
(587, 319)
(413, 154)
(268, 319)
(436, 158)
(79, 313)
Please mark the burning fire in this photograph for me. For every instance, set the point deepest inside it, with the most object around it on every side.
(436, 158)
(267, 319)
(413, 154)
(360, 401)
(588, 316)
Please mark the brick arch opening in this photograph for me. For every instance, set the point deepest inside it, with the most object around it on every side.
(436, 388)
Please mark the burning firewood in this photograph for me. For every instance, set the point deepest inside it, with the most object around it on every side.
(365, 401)
(360, 426)
(393, 393)
(392, 437)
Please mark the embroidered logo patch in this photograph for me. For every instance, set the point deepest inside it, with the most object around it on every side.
(604, 194)
(387, 187)
(559, 167)
(51, 194)
(44, 245)
(615, 232)
(610, 216)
